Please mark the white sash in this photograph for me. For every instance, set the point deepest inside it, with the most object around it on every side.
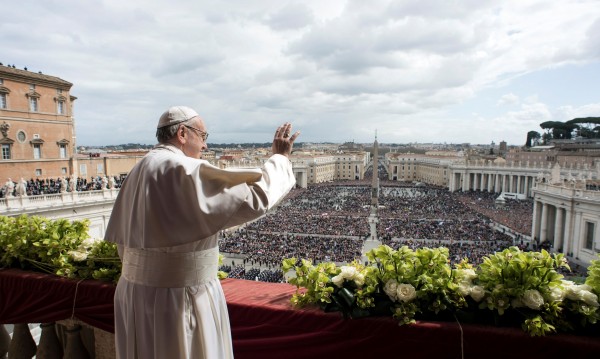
(170, 270)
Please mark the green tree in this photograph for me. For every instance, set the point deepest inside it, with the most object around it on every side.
(533, 138)
(559, 130)
(589, 127)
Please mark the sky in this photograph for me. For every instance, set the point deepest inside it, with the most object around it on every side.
(410, 71)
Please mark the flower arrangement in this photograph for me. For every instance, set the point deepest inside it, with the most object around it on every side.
(509, 286)
(59, 247)
(348, 289)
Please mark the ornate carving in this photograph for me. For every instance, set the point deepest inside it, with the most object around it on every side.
(4, 129)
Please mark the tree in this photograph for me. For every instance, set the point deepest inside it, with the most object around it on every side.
(533, 138)
(559, 130)
(589, 127)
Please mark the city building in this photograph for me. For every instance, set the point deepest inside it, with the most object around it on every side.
(37, 125)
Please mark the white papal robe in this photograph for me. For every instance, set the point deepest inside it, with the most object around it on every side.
(166, 219)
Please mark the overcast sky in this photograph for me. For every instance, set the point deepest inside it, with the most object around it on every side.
(414, 71)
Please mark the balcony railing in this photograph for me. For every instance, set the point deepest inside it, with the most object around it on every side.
(24, 203)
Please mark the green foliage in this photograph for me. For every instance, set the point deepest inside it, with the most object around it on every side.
(221, 274)
(593, 279)
(524, 288)
(418, 281)
(347, 289)
(532, 138)
(559, 130)
(58, 246)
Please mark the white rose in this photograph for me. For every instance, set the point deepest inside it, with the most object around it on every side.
(89, 242)
(533, 299)
(589, 298)
(464, 288)
(390, 288)
(571, 290)
(338, 280)
(406, 292)
(348, 272)
(477, 293)
(78, 256)
(557, 294)
(469, 274)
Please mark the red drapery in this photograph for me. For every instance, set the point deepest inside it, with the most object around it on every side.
(264, 325)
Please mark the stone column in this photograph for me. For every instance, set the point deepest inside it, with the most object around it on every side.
(568, 236)
(4, 341)
(518, 184)
(49, 346)
(577, 226)
(535, 220)
(544, 223)
(74, 348)
(22, 344)
(558, 230)
(496, 183)
(512, 183)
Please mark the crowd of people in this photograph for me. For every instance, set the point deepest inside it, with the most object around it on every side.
(36, 187)
(257, 274)
(268, 249)
(450, 230)
(329, 222)
(320, 210)
(515, 214)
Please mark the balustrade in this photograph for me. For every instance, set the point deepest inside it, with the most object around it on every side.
(67, 339)
(24, 203)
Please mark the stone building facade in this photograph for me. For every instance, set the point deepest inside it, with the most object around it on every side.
(37, 125)
(567, 215)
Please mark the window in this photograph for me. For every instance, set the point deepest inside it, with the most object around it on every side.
(63, 151)
(5, 151)
(33, 104)
(63, 170)
(2, 100)
(589, 235)
(38, 172)
(60, 107)
(83, 170)
(37, 151)
(32, 87)
(99, 168)
(58, 91)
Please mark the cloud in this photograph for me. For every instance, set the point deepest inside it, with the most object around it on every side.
(290, 16)
(339, 68)
(508, 100)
